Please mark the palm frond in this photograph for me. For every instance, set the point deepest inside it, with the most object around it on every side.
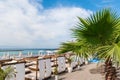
(78, 48)
(7, 73)
(69, 46)
(99, 28)
(111, 51)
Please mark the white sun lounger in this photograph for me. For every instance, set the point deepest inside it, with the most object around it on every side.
(48, 68)
(74, 61)
(61, 64)
(44, 68)
(20, 75)
(20, 72)
(20, 69)
(41, 66)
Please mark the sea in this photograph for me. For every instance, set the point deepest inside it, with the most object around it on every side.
(16, 52)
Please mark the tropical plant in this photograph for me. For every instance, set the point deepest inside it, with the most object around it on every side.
(75, 47)
(99, 34)
(69, 60)
(7, 73)
(55, 71)
(102, 31)
(101, 28)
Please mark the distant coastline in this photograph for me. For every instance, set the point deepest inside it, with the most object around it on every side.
(22, 49)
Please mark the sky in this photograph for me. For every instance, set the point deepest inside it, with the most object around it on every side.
(44, 23)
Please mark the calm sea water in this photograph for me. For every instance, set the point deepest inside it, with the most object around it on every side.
(26, 52)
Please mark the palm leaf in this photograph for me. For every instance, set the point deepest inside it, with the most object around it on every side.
(111, 51)
(99, 28)
(7, 73)
(77, 48)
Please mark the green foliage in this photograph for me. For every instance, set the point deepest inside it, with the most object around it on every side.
(112, 51)
(7, 73)
(55, 72)
(99, 33)
(69, 60)
(1, 74)
(77, 48)
(98, 29)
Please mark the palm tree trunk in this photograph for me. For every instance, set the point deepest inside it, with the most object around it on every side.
(110, 71)
(107, 69)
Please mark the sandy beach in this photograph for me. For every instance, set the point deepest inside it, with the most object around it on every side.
(82, 74)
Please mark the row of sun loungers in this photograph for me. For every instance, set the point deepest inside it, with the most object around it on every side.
(33, 68)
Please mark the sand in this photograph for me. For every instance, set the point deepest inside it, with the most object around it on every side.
(83, 74)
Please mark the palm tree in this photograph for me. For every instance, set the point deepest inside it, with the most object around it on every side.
(99, 33)
(111, 53)
(7, 73)
(102, 31)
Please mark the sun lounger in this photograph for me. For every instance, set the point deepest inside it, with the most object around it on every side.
(61, 64)
(20, 69)
(44, 68)
(48, 69)
(41, 66)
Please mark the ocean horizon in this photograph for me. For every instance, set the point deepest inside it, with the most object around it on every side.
(26, 51)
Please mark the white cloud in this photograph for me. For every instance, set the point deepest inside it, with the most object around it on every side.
(23, 25)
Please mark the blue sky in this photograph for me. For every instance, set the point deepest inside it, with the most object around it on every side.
(44, 23)
(68, 3)
(87, 4)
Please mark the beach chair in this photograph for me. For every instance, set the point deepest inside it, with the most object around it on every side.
(20, 54)
(82, 60)
(74, 64)
(41, 66)
(48, 68)
(61, 64)
(20, 69)
(32, 71)
(20, 72)
(74, 61)
(4, 56)
(7, 56)
(31, 54)
(44, 66)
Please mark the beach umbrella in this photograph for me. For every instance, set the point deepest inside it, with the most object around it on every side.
(28, 53)
(4, 56)
(20, 54)
(7, 55)
(55, 51)
(49, 52)
(40, 52)
(31, 54)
